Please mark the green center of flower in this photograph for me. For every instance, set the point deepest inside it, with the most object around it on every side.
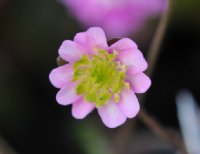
(99, 77)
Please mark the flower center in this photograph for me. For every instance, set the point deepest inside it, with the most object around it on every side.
(99, 77)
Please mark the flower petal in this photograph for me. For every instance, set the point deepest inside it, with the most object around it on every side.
(123, 44)
(139, 83)
(129, 104)
(71, 51)
(67, 95)
(81, 38)
(93, 37)
(61, 75)
(134, 60)
(81, 109)
(111, 115)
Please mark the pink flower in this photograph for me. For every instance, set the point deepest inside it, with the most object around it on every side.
(116, 17)
(100, 77)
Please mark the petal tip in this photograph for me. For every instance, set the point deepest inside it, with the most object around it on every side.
(80, 109)
(111, 115)
(52, 78)
(112, 126)
(140, 83)
(77, 116)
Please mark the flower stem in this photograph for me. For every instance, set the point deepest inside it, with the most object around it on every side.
(171, 137)
(158, 38)
(155, 126)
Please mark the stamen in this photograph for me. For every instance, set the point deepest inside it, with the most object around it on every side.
(116, 97)
(115, 52)
(99, 77)
(127, 86)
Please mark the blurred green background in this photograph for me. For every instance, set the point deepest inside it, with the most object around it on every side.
(31, 121)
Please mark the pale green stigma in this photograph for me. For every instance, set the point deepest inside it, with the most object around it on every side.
(99, 77)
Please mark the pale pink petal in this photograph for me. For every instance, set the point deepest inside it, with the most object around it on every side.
(93, 37)
(97, 36)
(134, 60)
(81, 109)
(111, 115)
(123, 44)
(140, 82)
(60, 76)
(67, 95)
(81, 38)
(71, 51)
(129, 104)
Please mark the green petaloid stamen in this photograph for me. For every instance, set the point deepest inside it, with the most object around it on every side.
(99, 77)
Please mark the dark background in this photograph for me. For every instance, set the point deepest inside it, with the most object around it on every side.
(31, 32)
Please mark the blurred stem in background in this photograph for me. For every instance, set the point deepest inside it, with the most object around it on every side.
(124, 134)
(158, 38)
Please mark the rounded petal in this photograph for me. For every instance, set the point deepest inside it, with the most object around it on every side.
(93, 37)
(67, 95)
(123, 44)
(81, 38)
(134, 60)
(60, 76)
(111, 115)
(71, 51)
(129, 104)
(97, 36)
(81, 109)
(139, 83)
